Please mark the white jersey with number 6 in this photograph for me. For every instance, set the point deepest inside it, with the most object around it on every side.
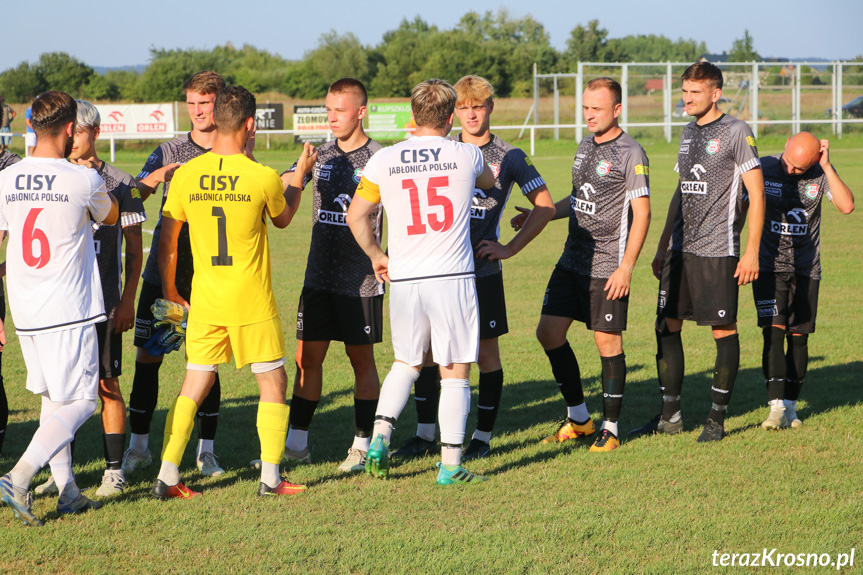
(426, 185)
(47, 206)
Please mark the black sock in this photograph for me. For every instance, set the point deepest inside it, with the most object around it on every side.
(488, 403)
(427, 394)
(4, 406)
(208, 412)
(613, 382)
(797, 361)
(724, 375)
(773, 361)
(364, 416)
(669, 369)
(302, 411)
(113, 444)
(145, 394)
(564, 367)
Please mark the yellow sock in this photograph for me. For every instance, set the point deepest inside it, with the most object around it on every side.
(178, 429)
(272, 429)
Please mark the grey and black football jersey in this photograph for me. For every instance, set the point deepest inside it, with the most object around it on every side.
(711, 161)
(510, 166)
(791, 240)
(109, 239)
(179, 150)
(8, 158)
(336, 262)
(606, 177)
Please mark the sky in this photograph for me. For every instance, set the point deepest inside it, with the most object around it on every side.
(111, 33)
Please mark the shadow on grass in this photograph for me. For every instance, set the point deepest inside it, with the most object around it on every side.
(524, 406)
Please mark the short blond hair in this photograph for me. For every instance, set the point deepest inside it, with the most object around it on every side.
(432, 103)
(475, 89)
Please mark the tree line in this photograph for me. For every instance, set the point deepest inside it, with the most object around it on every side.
(495, 45)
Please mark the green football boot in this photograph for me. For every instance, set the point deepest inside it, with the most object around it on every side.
(378, 457)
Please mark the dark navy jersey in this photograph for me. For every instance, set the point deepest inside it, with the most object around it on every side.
(606, 178)
(336, 263)
(179, 150)
(711, 162)
(8, 158)
(791, 240)
(109, 239)
(510, 166)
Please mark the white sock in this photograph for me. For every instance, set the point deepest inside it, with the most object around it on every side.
(578, 412)
(450, 455)
(61, 467)
(69, 491)
(139, 442)
(297, 440)
(396, 390)
(427, 431)
(169, 473)
(270, 474)
(777, 404)
(452, 411)
(610, 426)
(484, 436)
(361, 443)
(58, 423)
(383, 427)
(790, 409)
(204, 446)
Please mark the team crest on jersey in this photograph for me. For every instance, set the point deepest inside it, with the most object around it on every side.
(603, 167)
(358, 175)
(495, 169)
(812, 191)
(713, 146)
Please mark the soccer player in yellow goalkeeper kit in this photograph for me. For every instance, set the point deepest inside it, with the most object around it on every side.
(223, 195)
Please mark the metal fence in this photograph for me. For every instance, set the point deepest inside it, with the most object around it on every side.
(772, 97)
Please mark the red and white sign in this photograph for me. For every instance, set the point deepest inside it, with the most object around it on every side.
(136, 119)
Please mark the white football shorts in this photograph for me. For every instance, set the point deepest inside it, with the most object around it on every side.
(64, 363)
(443, 312)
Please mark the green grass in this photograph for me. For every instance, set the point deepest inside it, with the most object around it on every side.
(655, 505)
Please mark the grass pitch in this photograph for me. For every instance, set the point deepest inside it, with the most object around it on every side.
(655, 505)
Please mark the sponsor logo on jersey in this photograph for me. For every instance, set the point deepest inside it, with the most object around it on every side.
(299, 322)
(608, 317)
(578, 159)
(367, 329)
(693, 188)
(772, 188)
(582, 206)
(603, 167)
(750, 140)
(713, 146)
(642, 170)
(811, 191)
(358, 175)
(721, 313)
(697, 170)
(477, 211)
(684, 150)
(792, 229)
(492, 324)
(344, 201)
(332, 218)
(661, 301)
(495, 169)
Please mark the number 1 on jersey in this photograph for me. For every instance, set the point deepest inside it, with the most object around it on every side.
(223, 259)
(437, 224)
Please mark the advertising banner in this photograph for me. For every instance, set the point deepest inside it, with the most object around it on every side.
(136, 119)
(310, 124)
(390, 116)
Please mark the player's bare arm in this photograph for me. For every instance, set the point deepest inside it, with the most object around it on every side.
(124, 315)
(747, 267)
(843, 198)
(361, 228)
(149, 184)
(293, 181)
(618, 284)
(114, 213)
(561, 210)
(536, 220)
(665, 238)
(168, 259)
(486, 179)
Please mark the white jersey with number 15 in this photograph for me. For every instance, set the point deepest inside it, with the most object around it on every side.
(426, 185)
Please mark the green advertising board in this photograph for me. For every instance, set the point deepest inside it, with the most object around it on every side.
(390, 116)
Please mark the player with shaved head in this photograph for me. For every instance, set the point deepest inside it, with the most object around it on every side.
(786, 291)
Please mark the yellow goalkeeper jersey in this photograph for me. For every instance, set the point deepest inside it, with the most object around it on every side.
(224, 199)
